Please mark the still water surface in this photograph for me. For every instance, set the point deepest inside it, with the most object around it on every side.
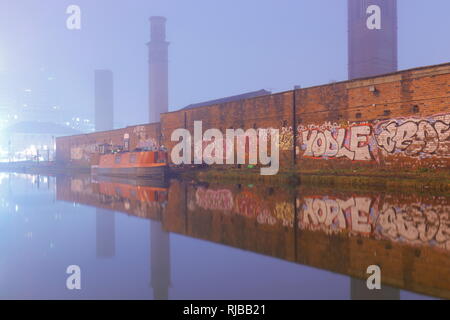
(184, 240)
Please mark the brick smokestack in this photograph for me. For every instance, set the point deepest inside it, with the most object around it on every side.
(104, 100)
(372, 37)
(158, 49)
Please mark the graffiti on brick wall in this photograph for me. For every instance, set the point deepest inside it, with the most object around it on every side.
(286, 139)
(412, 137)
(144, 141)
(148, 143)
(335, 141)
(413, 223)
(236, 142)
(82, 152)
(415, 137)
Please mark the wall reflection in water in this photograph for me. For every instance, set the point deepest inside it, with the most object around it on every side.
(407, 235)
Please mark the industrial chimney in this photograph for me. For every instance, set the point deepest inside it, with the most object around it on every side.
(158, 69)
(372, 37)
(104, 100)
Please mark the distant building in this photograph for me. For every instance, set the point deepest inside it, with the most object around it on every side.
(104, 100)
(34, 98)
(25, 140)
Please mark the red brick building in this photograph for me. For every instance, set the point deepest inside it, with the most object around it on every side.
(399, 120)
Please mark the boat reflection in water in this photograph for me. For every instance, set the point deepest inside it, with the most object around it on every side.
(406, 235)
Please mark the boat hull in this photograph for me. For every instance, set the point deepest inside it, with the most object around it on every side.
(156, 173)
(131, 181)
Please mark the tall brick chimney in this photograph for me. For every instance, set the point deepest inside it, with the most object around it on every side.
(372, 37)
(104, 100)
(158, 49)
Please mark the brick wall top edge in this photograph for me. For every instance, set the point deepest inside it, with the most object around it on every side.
(433, 70)
(230, 102)
(154, 124)
(396, 76)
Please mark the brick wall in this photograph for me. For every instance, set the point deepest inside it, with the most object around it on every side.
(271, 111)
(399, 120)
(402, 119)
(82, 150)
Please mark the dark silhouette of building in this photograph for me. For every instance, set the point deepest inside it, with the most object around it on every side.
(372, 37)
(105, 233)
(247, 95)
(104, 100)
(160, 260)
(158, 49)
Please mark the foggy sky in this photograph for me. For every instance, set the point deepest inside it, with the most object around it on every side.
(218, 48)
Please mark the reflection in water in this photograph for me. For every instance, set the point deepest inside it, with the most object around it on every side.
(160, 261)
(323, 240)
(417, 222)
(359, 291)
(106, 233)
(408, 236)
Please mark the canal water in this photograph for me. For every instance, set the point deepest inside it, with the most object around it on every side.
(186, 240)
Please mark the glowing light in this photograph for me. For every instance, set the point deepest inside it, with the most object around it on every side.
(3, 176)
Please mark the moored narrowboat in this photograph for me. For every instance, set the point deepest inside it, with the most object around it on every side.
(139, 164)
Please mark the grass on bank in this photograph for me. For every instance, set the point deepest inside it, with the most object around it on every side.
(422, 181)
